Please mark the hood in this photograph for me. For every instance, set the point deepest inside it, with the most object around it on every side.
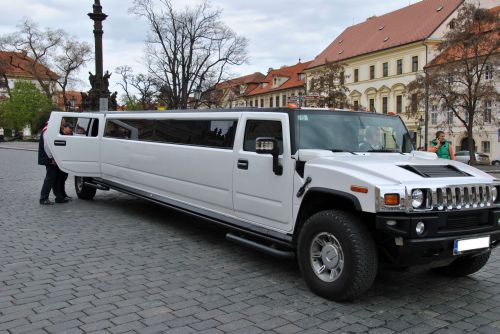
(395, 168)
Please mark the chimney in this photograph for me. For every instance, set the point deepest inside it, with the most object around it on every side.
(269, 69)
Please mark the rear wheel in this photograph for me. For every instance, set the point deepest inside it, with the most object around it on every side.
(83, 191)
(336, 255)
(464, 266)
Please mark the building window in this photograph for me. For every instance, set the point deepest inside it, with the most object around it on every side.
(372, 72)
(486, 146)
(414, 64)
(372, 105)
(271, 102)
(487, 112)
(277, 100)
(488, 72)
(342, 77)
(452, 24)
(414, 103)
(283, 100)
(384, 105)
(262, 103)
(434, 115)
(385, 69)
(399, 104)
(400, 66)
(356, 75)
(251, 103)
(256, 103)
(356, 105)
(450, 117)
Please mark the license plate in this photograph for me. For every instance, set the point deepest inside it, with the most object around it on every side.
(463, 245)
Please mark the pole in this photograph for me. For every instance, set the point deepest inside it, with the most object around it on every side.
(98, 16)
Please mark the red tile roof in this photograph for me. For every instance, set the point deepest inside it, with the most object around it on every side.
(18, 65)
(251, 80)
(406, 25)
(488, 41)
(290, 72)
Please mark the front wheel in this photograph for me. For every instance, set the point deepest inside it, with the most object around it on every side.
(337, 255)
(464, 266)
(83, 191)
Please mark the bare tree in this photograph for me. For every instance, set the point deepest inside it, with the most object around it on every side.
(461, 80)
(329, 85)
(186, 47)
(146, 86)
(54, 57)
(72, 57)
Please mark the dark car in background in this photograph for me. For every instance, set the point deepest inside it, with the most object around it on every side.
(464, 156)
(495, 162)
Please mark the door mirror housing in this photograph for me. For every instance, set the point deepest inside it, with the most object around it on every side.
(269, 145)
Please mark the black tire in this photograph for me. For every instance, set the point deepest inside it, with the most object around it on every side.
(83, 191)
(464, 266)
(346, 238)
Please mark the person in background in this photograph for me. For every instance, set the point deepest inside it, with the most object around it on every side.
(2, 134)
(442, 147)
(46, 159)
(61, 177)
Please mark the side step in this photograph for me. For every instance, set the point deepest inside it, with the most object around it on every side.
(95, 185)
(260, 247)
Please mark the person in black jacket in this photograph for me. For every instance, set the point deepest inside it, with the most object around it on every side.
(45, 158)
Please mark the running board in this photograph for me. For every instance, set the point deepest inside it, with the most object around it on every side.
(260, 247)
(95, 185)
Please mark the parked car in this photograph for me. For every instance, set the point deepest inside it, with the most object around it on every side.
(464, 156)
(495, 162)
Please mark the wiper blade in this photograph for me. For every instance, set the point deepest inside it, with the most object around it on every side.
(337, 150)
(384, 151)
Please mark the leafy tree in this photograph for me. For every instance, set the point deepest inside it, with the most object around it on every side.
(27, 105)
(459, 79)
(186, 48)
(328, 84)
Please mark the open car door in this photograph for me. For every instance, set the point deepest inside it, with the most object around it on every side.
(79, 152)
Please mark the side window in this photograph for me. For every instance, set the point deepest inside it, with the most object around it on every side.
(115, 130)
(79, 126)
(260, 128)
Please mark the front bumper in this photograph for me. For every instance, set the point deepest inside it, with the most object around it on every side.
(400, 244)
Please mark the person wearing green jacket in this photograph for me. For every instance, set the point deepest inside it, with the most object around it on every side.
(442, 147)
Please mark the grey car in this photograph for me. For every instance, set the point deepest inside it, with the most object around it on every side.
(464, 156)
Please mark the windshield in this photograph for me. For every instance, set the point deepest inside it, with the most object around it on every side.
(351, 132)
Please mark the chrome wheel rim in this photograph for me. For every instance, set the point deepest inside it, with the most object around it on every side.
(327, 257)
(79, 183)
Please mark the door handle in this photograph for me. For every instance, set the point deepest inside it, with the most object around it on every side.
(60, 142)
(242, 164)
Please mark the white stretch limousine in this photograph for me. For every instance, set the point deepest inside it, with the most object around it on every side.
(342, 191)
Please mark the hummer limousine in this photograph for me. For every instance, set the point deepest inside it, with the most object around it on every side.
(342, 192)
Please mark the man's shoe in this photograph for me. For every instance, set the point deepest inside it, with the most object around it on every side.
(46, 202)
(62, 200)
(69, 198)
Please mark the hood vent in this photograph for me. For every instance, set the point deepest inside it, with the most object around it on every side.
(435, 171)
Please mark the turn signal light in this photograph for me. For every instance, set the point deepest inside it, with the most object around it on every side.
(391, 199)
(359, 189)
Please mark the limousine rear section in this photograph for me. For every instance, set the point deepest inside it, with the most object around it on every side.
(300, 184)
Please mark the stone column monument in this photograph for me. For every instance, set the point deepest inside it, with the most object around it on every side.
(98, 97)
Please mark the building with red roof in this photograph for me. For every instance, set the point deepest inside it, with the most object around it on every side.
(232, 93)
(279, 87)
(18, 66)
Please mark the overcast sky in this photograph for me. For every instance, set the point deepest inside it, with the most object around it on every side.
(279, 31)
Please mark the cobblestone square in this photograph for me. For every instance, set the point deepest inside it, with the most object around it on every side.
(118, 264)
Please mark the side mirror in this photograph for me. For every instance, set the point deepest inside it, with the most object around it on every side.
(269, 145)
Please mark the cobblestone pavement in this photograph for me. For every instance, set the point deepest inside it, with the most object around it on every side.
(121, 265)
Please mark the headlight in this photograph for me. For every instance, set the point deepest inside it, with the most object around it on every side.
(417, 198)
(494, 194)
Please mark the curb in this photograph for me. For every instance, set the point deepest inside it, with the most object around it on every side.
(18, 148)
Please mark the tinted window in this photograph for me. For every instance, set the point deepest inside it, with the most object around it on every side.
(81, 126)
(211, 133)
(260, 128)
(117, 129)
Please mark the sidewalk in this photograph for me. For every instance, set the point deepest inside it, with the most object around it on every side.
(20, 145)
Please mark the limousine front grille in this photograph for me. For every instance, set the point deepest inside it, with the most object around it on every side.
(459, 197)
